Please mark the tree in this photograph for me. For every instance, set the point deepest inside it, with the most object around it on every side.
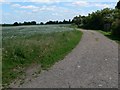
(65, 22)
(41, 23)
(25, 23)
(56, 22)
(108, 18)
(92, 21)
(49, 22)
(116, 28)
(15, 24)
(116, 23)
(33, 22)
(60, 22)
(101, 20)
(77, 20)
(69, 21)
(118, 5)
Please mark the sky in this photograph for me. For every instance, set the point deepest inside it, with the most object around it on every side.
(45, 10)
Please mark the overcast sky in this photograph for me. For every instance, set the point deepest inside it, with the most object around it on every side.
(44, 10)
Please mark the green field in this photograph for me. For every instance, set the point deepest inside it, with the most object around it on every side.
(40, 44)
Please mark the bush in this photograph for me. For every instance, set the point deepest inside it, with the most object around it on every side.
(116, 28)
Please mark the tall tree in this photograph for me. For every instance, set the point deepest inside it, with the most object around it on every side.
(33, 22)
(77, 20)
(118, 5)
(15, 24)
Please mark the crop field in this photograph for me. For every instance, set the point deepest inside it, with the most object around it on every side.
(23, 46)
(25, 31)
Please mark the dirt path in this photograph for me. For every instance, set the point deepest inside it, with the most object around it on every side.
(92, 64)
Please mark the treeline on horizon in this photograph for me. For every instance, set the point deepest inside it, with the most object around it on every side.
(41, 23)
(107, 20)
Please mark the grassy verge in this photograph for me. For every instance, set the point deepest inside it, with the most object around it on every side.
(43, 49)
(108, 34)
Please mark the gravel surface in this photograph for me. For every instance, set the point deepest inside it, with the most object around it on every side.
(92, 64)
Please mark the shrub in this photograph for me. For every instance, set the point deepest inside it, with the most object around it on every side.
(116, 28)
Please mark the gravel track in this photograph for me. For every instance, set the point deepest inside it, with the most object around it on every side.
(92, 64)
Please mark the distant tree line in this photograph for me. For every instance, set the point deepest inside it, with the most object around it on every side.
(41, 23)
(18, 24)
(59, 22)
(25, 23)
(107, 20)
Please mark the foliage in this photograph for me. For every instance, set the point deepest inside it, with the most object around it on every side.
(116, 28)
(15, 24)
(59, 22)
(77, 20)
(118, 5)
(107, 20)
(28, 23)
(95, 20)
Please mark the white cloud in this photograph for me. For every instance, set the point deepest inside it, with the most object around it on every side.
(43, 1)
(44, 8)
(2, 0)
(50, 8)
(29, 7)
(25, 7)
(102, 5)
(16, 5)
(52, 1)
(91, 4)
(80, 3)
(34, 8)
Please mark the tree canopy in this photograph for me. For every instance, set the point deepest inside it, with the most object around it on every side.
(118, 5)
(106, 19)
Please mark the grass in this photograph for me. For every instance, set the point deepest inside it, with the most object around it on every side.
(39, 48)
(110, 36)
